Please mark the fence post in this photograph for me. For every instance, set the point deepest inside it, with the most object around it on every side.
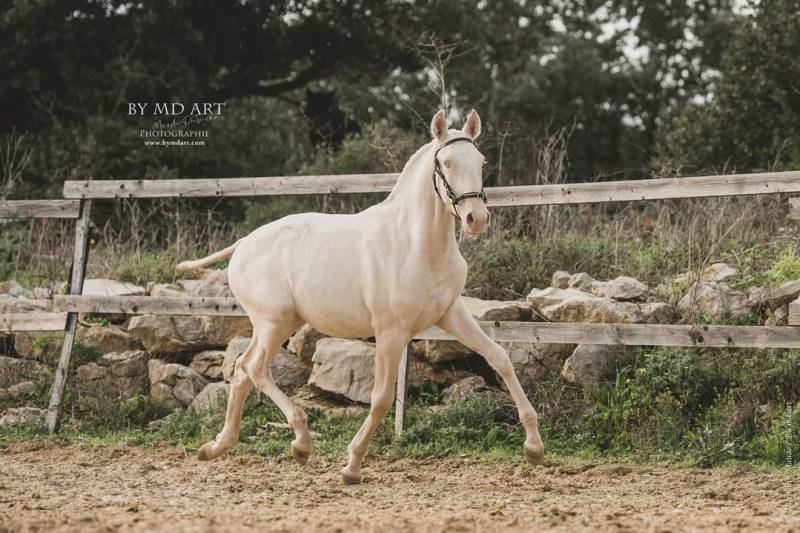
(402, 389)
(75, 286)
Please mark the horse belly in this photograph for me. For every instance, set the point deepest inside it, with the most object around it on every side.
(327, 285)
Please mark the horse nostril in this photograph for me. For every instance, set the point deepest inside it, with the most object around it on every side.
(470, 219)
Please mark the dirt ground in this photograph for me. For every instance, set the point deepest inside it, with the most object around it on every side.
(49, 487)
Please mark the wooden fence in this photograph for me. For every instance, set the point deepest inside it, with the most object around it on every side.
(80, 194)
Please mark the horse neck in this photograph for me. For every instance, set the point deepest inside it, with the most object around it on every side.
(419, 208)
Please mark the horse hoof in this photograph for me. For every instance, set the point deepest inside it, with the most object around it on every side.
(300, 453)
(534, 454)
(350, 478)
(205, 453)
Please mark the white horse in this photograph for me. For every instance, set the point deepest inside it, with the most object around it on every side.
(387, 272)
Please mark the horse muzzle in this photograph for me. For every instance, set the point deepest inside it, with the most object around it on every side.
(476, 219)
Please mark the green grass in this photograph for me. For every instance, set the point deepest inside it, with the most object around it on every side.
(503, 265)
(786, 268)
(661, 407)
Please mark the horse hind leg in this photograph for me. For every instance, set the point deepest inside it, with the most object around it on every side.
(270, 339)
(240, 388)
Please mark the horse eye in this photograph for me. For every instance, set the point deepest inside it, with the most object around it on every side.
(446, 163)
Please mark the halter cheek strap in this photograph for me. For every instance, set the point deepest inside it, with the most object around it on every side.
(438, 172)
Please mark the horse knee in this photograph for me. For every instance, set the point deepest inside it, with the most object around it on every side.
(382, 404)
(500, 362)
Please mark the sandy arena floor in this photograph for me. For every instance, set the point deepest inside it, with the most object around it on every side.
(48, 487)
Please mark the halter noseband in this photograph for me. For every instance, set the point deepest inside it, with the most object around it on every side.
(437, 170)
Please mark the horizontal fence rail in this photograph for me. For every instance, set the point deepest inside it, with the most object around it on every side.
(528, 332)
(204, 188)
(148, 305)
(39, 208)
(79, 196)
(32, 321)
(573, 193)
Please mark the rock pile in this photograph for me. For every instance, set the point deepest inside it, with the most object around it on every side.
(188, 361)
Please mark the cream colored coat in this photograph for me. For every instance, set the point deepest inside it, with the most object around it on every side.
(390, 271)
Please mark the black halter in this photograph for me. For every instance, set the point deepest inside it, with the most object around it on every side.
(437, 169)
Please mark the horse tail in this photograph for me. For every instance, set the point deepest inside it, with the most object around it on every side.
(213, 258)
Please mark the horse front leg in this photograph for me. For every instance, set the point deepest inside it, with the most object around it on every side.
(389, 346)
(460, 324)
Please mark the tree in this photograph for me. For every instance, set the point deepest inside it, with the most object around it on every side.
(62, 60)
(753, 119)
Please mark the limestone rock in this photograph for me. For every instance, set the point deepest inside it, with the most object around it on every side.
(719, 272)
(11, 287)
(581, 281)
(115, 376)
(39, 346)
(534, 361)
(173, 385)
(441, 351)
(778, 317)
(304, 343)
(444, 374)
(13, 371)
(208, 364)
(773, 298)
(235, 348)
(344, 368)
(620, 288)
(503, 310)
(211, 396)
(463, 389)
(108, 339)
(165, 290)
(307, 398)
(170, 335)
(16, 416)
(10, 304)
(714, 299)
(587, 364)
(560, 279)
(716, 272)
(214, 284)
(288, 371)
(20, 390)
(110, 287)
(758, 297)
(572, 305)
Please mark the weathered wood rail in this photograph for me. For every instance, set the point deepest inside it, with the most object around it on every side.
(573, 193)
(39, 209)
(80, 194)
(544, 332)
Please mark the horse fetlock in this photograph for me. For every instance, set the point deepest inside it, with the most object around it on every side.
(530, 419)
(299, 421)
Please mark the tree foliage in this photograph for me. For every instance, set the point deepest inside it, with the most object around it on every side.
(686, 80)
(753, 118)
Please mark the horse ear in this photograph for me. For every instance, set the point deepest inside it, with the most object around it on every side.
(472, 126)
(439, 126)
